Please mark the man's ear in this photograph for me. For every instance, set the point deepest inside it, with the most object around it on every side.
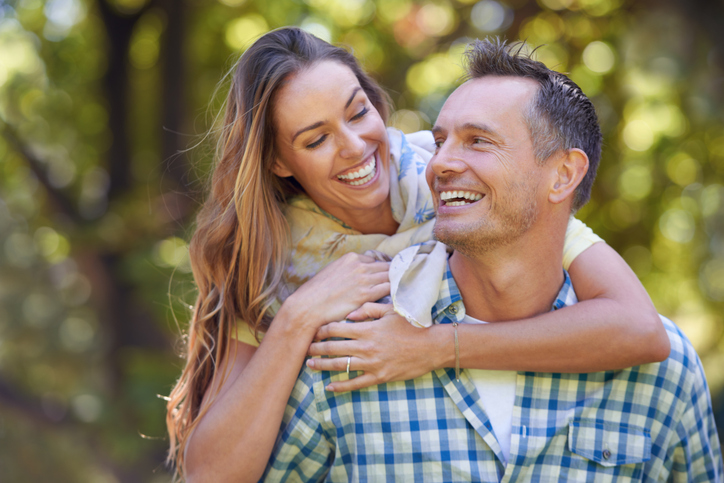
(570, 170)
(280, 169)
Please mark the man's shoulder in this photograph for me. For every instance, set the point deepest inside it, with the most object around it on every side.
(683, 356)
(681, 374)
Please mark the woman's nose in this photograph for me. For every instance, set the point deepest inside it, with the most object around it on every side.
(353, 146)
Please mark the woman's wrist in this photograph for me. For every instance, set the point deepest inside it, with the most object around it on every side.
(294, 319)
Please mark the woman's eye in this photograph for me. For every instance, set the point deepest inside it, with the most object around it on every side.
(480, 141)
(438, 144)
(360, 114)
(317, 142)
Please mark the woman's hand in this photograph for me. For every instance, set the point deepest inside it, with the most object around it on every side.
(388, 349)
(338, 289)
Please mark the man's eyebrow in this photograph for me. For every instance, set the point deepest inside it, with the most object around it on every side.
(471, 126)
(468, 126)
(308, 128)
(351, 98)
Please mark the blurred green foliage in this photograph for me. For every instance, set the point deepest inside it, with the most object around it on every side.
(103, 109)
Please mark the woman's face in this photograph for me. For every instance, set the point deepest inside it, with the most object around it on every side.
(333, 141)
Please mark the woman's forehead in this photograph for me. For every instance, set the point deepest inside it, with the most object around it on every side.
(323, 89)
(320, 78)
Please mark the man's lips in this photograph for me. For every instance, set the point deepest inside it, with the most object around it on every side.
(459, 197)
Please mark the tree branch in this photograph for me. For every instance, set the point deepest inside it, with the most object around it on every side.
(61, 202)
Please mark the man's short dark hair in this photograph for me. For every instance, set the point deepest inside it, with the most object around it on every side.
(560, 116)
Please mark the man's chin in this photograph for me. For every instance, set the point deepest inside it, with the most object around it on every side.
(464, 239)
(479, 238)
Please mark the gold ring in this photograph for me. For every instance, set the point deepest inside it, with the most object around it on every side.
(349, 359)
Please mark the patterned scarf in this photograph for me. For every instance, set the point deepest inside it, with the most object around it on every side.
(319, 238)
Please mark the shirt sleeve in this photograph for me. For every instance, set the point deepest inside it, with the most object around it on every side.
(578, 238)
(243, 333)
(302, 452)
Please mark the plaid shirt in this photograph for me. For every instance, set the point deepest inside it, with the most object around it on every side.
(647, 423)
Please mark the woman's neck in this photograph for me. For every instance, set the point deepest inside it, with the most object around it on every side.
(375, 221)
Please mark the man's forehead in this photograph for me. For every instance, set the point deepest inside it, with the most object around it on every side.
(489, 96)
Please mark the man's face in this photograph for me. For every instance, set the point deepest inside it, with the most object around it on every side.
(484, 176)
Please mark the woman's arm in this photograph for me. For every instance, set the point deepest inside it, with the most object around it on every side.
(235, 437)
(615, 325)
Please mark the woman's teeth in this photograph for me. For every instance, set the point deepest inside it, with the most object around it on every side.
(362, 175)
(460, 197)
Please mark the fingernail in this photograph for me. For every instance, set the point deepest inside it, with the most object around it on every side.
(310, 363)
(329, 388)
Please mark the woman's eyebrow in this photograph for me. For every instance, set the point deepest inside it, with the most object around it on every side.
(351, 98)
(317, 124)
(308, 128)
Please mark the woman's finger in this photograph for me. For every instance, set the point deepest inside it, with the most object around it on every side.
(378, 255)
(371, 310)
(379, 267)
(377, 278)
(332, 348)
(338, 329)
(359, 382)
(338, 364)
(379, 291)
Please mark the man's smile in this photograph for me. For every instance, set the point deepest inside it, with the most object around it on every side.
(459, 197)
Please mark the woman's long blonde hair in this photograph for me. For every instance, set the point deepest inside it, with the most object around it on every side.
(240, 247)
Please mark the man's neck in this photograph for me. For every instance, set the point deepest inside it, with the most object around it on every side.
(513, 282)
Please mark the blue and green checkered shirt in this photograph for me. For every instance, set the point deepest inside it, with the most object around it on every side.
(647, 423)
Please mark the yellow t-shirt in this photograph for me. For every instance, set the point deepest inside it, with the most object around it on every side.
(579, 237)
(244, 334)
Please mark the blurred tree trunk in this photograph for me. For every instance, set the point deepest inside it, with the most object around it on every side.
(708, 15)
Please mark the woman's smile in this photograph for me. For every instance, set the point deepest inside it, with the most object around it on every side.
(361, 174)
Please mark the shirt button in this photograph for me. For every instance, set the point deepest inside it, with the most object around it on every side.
(606, 454)
(453, 309)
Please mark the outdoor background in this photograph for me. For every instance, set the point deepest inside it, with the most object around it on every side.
(104, 106)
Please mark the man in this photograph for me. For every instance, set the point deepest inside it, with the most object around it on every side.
(517, 150)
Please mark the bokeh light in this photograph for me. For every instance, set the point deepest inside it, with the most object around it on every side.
(677, 225)
(409, 121)
(635, 182)
(242, 31)
(491, 16)
(598, 56)
(317, 27)
(638, 135)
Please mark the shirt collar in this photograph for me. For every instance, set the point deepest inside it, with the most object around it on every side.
(449, 307)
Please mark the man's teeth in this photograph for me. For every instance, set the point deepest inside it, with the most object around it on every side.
(362, 175)
(462, 196)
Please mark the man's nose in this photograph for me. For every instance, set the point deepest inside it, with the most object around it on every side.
(352, 145)
(448, 159)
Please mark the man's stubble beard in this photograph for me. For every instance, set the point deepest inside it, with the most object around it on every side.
(510, 219)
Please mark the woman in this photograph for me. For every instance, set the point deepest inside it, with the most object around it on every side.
(304, 155)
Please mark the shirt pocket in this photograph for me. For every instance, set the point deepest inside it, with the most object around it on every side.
(607, 443)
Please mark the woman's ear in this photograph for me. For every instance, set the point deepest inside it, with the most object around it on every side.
(570, 170)
(280, 169)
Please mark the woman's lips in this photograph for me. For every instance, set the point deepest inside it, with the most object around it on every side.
(361, 175)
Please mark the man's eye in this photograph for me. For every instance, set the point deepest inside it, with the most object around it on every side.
(317, 142)
(360, 114)
(480, 141)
